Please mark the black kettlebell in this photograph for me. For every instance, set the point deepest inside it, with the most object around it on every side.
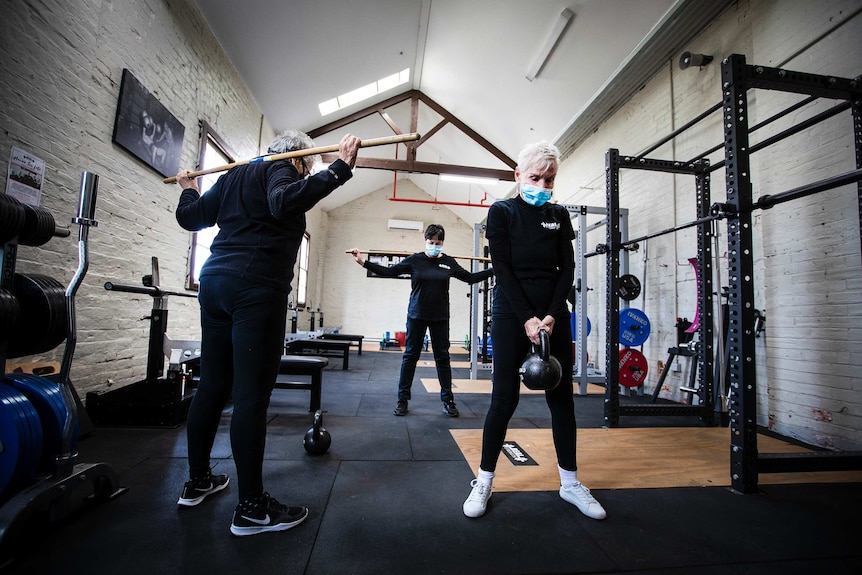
(541, 370)
(317, 440)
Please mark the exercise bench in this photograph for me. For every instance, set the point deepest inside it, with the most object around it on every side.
(350, 338)
(322, 347)
(303, 365)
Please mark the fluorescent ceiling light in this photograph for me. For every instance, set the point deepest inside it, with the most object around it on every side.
(548, 47)
(365, 92)
(468, 179)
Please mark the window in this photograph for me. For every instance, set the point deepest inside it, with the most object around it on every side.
(302, 273)
(364, 92)
(213, 153)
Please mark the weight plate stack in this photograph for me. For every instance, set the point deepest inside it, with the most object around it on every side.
(38, 227)
(42, 323)
(12, 217)
(46, 398)
(10, 311)
(21, 438)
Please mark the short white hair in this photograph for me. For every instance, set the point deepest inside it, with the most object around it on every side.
(541, 155)
(292, 140)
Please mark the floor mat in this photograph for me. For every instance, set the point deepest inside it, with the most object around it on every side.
(630, 459)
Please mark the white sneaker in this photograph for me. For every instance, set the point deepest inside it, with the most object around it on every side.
(579, 496)
(478, 499)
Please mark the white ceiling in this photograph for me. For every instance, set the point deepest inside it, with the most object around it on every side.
(469, 56)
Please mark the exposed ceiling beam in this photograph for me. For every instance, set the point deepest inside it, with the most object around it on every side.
(415, 167)
(410, 165)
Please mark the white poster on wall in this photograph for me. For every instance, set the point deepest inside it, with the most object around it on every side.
(25, 176)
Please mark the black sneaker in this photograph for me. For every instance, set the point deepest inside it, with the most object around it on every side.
(401, 408)
(269, 515)
(450, 409)
(196, 490)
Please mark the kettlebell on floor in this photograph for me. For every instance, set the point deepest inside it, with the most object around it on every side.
(541, 370)
(317, 440)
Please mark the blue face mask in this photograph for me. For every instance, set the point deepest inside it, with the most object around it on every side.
(534, 195)
(433, 250)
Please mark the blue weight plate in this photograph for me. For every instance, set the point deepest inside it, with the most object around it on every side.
(33, 452)
(31, 447)
(52, 388)
(574, 320)
(47, 399)
(30, 437)
(12, 427)
(634, 327)
(54, 393)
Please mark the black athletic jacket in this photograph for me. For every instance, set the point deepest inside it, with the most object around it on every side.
(534, 263)
(260, 211)
(429, 279)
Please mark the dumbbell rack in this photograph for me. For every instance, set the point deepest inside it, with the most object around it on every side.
(55, 497)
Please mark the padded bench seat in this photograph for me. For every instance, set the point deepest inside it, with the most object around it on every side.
(303, 365)
(328, 348)
(348, 337)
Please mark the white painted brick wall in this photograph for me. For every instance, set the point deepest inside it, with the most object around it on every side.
(61, 69)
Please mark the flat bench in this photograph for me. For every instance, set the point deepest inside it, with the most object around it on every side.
(303, 365)
(328, 348)
(351, 338)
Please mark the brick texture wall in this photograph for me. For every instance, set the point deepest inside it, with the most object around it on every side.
(61, 70)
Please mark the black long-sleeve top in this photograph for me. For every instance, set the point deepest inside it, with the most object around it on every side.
(260, 211)
(429, 280)
(533, 258)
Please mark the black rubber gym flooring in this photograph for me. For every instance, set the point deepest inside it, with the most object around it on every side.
(387, 498)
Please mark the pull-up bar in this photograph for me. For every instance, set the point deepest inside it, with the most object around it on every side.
(754, 128)
(805, 124)
(767, 201)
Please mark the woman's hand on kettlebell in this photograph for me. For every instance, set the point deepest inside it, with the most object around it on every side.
(532, 327)
(548, 324)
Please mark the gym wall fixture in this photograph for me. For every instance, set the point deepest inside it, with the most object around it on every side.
(154, 401)
(689, 59)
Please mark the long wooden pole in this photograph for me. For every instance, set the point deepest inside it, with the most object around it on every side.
(398, 139)
(388, 253)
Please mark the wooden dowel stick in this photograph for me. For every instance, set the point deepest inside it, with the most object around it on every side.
(388, 253)
(400, 138)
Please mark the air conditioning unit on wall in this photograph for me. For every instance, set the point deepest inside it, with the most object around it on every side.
(405, 225)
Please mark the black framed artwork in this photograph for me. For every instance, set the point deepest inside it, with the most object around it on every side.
(146, 129)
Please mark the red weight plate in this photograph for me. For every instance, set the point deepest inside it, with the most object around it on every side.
(633, 367)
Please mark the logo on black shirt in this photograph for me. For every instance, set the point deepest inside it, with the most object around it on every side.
(444, 266)
(551, 225)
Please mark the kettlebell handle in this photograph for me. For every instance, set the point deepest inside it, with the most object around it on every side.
(317, 423)
(544, 345)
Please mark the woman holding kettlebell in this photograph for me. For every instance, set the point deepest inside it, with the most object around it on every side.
(534, 263)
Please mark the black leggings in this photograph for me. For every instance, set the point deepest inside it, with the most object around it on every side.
(241, 347)
(511, 346)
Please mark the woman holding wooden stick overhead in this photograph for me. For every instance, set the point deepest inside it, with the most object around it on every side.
(428, 311)
(260, 210)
